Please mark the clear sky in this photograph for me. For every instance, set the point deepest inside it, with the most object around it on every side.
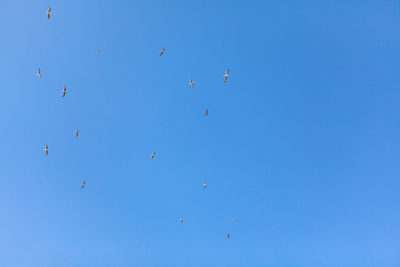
(301, 144)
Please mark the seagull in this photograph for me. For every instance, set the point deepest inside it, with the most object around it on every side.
(76, 133)
(38, 73)
(83, 185)
(205, 184)
(46, 149)
(234, 219)
(96, 51)
(64, 91)
(206, 112)
(226, 76)
(191, 82)
(228, 235)
(152, 155)
(48, 13)
(181, 219)
(162, 51)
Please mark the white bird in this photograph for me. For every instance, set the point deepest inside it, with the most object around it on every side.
(83, 184)
(152, 155)
(46, 149)
(48, 12)
(191, 82)
(38, 73)
(162, 51)
(226, 76)
(205, 184)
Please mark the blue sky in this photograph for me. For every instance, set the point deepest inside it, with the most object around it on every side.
(301, 144)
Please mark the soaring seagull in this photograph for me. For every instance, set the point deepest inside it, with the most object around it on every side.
(162, 51)
(38, 73)
(64, 91)
(46, 149)
(48, 12)
(226, 76)
(83, 184)
(152, 155)
(191, 82)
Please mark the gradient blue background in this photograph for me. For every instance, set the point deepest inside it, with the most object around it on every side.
(302, 143)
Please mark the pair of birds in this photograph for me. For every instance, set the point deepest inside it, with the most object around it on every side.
(46, 147)
(191, 82)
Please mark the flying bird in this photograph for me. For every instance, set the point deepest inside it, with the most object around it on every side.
(46, 149)
(205, 184)
(76, 133)
(152, 155)
(226, 76)
(234, 219)
(48, 13)
(228, 235)
(64, 91)
(191, 82)
(181, 219)
(162, 51)
(96, 51)
(38, 73)
(83, 185)
(206, 112)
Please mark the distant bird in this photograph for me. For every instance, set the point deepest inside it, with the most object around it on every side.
(162, 51)
(205, 184)
(38, 73)
(234, 219)
(46, 149)
(76, 133)
(83, 184)
(226, 76)
(152, 155)
(48, 13)
(228, 235)
(191, 82)
(96, 51)
(181, 219)
(206, 112)
(64, 91)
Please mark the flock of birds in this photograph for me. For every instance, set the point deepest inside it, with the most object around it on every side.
(64, 91)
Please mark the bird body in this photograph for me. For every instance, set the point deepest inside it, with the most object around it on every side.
(48, 12)
(181, 219)
(76, 133)
(234, 219)
(46, 149)
(83, 184)
(228, 235)
(205, 184)
(64, 91)
(191, 82)
(152, 155)
(38, 73)
(206, 112)
(96, 51)
(226, 76)
(162, 51)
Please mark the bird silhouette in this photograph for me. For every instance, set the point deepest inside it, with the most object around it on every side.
(48, 12)
(46, 149)
(96, 51)
(228, 235)
(39, 73)
(83, 184)
(191, 82)
(234, 219)
(162, 51)
(205, 184)
(76, 133)
(181, 219)
(206, 112)
(226, 76)
(152, 155)
(64, 91)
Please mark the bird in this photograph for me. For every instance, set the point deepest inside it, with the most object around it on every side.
(206, 112)
(48, 13)
(38, 73)
(83, 185)
(234, 219)
(76, 133)
(152, 155)
(205, 184)
(226, 76)
(96, 51)
(191, 82)
(46, 149)
(162, 51)
(64, 91)
(228, 235)
(181, 219)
